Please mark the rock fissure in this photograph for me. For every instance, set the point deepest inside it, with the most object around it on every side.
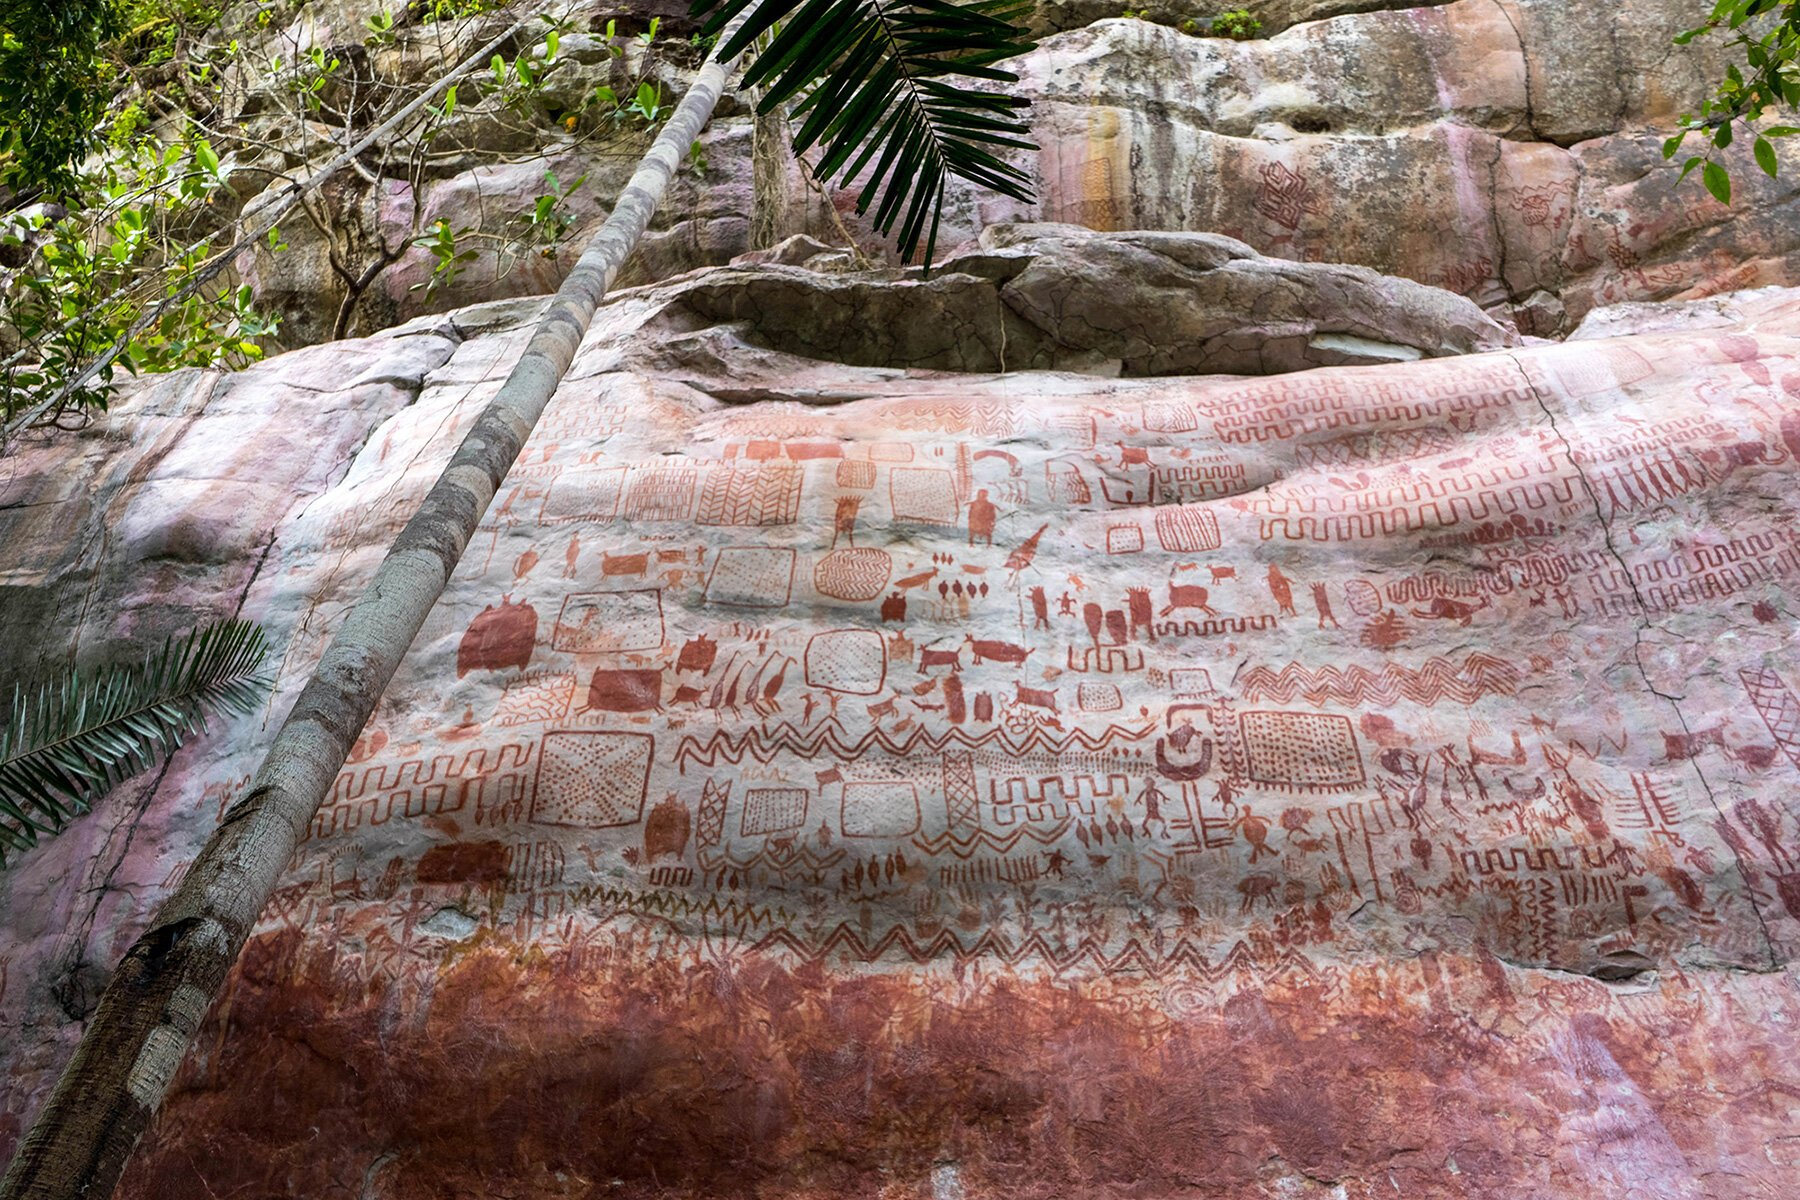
(1642, 624)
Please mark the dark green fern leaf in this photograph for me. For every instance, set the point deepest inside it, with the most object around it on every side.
(69, 741)
(884, 86)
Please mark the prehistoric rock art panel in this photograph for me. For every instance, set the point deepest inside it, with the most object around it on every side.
(1411, 731)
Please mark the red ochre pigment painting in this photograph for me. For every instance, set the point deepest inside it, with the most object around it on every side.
(1365, 782)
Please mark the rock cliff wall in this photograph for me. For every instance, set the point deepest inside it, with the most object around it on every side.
(1506, 150)
(841, 768)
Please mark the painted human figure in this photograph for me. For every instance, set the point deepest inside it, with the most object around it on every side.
(1153, 798)
(845, 523)
(1322, 602)
(1256, 832)
(1282, 588)
(982, 515)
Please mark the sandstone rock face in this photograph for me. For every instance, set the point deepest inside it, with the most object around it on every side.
(1507, 150)
(924, 782)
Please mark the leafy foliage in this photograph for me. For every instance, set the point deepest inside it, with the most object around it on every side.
(884, 85)
(1239, 24)
(54, 88)
(87, 277)
(1767, 35)
(69, 741)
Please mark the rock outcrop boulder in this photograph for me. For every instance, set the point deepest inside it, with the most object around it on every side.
(827, 776)
(1061, 296)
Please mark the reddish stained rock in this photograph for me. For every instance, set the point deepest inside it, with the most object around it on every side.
(1444, 847)
(480, 863)
(597, 1069)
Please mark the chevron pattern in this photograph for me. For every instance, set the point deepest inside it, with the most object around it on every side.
(1435, 681)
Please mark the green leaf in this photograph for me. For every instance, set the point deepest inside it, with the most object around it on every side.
(1717, 181)
(69, 740)
(1765, 157)
(892, 93)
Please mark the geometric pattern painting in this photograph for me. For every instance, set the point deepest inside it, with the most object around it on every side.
(591, 779)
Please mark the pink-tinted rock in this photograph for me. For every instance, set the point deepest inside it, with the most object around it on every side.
(1359, 781)
(1507, 150)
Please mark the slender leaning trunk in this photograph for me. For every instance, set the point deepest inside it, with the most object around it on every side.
(169, 978)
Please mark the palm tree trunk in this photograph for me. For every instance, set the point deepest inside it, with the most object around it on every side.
(169, 978)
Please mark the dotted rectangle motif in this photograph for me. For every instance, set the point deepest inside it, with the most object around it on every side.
(591, 779)
(751, 577)
(773, 810)
(602, 622)
(880, 808)
(1301, 750)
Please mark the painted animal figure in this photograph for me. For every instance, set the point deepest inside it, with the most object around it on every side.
(1001, 652)
(1036, 697)
(626, 690)
(1183, 772)
(1222, 573)
(1445, 609)
(624, 564)
(697, 654)
(1187, 595)
(1141, 607)
(1680, 746)
(940, 658)
(1133, 455)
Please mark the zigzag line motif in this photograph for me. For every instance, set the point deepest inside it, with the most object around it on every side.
(964, 846)
(1133, 956)
(805, 858)
(831, 738)
(672, 904)
(1436, 680)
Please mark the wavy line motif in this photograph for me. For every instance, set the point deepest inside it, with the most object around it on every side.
(830, 738)
(1438, 679)
(731, 913)
(1133, 956)
(962, 846)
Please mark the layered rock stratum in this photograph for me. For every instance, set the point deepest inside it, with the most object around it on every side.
(1505, 150)
(1123, 717)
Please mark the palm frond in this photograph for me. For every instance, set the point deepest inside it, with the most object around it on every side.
(886, 82)
(70, 740)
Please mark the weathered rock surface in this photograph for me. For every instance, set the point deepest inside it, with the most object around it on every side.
(1363, 781)
(1064, 297)
(1508, 150)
